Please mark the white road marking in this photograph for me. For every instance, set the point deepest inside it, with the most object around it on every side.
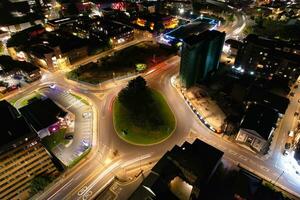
(68, 183)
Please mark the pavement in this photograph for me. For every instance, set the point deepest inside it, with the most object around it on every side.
(83, 130)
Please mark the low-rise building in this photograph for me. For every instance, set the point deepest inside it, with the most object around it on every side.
(22, 157)
(50, 50)
(257, 127)
(14, 73)
(44, 116)
(192, 164)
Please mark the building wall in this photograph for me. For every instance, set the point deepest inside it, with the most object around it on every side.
(245, 137)
(269, 61)
(190, 63)
(199, 59)
(19, 166)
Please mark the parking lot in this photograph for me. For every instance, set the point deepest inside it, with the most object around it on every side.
(83, 130)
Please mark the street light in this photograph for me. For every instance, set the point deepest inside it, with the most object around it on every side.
(181, 10)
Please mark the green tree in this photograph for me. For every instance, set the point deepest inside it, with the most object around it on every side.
(138, 84)
(1, 48)
(38, 183)
(230, 17)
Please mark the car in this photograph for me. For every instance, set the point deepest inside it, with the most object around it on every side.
(17, 76)
(52, 86)
(287, 146)
(69, 137)
(86, 115)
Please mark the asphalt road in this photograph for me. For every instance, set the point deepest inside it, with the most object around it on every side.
(110, 153)
(94, 173)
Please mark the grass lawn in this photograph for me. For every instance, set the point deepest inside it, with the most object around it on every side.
(76, 160)
(80, 99)
(30, 97)
(121, 63)
(144, 135)
(53, 140)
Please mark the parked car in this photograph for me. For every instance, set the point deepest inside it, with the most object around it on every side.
(69, 137)
(86, 115)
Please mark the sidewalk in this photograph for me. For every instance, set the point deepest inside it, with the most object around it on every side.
(202, 105)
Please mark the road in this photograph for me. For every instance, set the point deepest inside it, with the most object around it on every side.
(110, 153)
(78, 183)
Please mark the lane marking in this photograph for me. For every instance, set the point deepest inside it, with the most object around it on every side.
(68, 183)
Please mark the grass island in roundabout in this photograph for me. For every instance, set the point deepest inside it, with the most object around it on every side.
(141, 115)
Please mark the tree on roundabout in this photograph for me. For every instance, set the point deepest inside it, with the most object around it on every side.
(141, 115)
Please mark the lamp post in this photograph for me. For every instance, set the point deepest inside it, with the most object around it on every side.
(278, 178)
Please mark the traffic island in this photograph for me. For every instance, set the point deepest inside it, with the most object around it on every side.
(141, 115)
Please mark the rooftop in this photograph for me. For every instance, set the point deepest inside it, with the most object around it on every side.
(204, 36)
(273, 101)
(261, 119)
(8, 64)
(14, 128)
(194, 162)
(42, 113)
(271, 43)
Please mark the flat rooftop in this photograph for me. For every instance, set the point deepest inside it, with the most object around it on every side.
(14, 128)
(42, 113)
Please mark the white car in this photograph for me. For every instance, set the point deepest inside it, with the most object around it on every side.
(52, 86)
(86, 115)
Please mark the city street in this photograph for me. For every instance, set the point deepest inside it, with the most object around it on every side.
(109, 154)
(86, 175)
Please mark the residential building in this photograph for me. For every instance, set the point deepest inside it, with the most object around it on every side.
(232, 46)
(22, 157)
(50, 50)
(269, 57)
(44, 116)
(200, 56)
(257, 127)
(191, 164)
(102, 29)
(17, 15)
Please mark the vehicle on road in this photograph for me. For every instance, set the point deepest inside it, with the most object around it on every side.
(69, 137)
(86, 115)
(52, 86)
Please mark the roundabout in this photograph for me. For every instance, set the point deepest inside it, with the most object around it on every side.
(144, 120)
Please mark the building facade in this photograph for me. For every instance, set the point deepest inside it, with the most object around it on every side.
(269, 57)
(200, 56)
(257, 127)
(19, 166)
(22, 156)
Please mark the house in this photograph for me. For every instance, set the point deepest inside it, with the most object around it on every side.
(257, 127)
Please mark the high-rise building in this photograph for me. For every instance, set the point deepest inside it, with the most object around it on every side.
(22, 156)
(200, 56)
